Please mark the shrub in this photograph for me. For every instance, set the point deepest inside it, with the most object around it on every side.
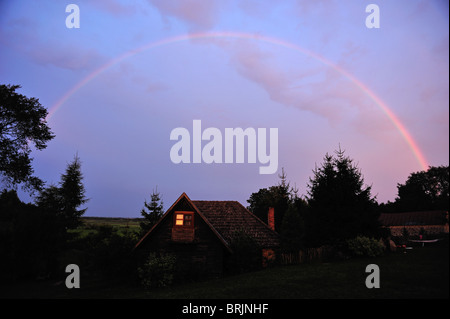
(109, 253)
(365, 247)
(246, 254)
(157, 271)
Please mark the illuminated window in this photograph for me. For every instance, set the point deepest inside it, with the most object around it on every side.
(184, 219)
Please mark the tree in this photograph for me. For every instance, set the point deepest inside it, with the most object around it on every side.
(279, 197)
(22, 121)
(340, 205)
(152, 212)
(246, 254)
(424, 190)
(73, 194)
(30, 240)
(289, 211)
(292, 229)
(36, 234)
(63, 201)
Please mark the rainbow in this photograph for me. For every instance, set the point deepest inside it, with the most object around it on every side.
(238, 35)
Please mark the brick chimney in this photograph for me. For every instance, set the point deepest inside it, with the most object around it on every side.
(271, 218)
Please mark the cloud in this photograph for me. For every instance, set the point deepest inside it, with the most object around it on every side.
(292, 89)
(65, 57)
(197, 14)
(61, 54)
(114, 7)
(309, 86)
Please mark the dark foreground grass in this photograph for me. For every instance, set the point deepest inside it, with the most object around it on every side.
(422, 272)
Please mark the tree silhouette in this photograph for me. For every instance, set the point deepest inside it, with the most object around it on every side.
(151, 212)
(33, 240)
(424, 190)
(340, 205)
(73, 193)
(279, 197)
(63, 201)
(289, 211)
(22, 122)
(293, 228)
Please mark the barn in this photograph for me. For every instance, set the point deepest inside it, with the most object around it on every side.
(432, 223)
(200, 234)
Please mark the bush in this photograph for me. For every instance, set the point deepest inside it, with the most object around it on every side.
(157, 271)
(246, 254)
(365, 247)
(108, 252)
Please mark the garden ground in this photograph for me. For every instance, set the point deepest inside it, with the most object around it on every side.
(421, 272)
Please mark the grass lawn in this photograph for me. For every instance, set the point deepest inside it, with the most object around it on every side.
(123, 225)
(422, 272)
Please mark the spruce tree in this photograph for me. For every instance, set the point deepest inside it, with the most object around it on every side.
(72, 194)
(62, 202)
(151, 212)
(341, 205)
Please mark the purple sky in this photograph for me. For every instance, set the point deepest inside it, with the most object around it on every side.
(135, 70)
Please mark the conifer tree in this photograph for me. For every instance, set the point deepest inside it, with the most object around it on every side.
(72, 193)
(152, 211)
(63, 202)
(341, 206)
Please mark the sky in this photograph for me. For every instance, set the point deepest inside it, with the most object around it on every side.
(133, 71)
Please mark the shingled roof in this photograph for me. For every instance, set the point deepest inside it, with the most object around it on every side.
(227, 217)
(415, 218)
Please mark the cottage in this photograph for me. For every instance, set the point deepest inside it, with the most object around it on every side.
(200, 234)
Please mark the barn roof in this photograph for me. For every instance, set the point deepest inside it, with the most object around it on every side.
(225, 218)
(437, 217)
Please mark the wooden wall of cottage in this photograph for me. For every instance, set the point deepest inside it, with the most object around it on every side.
(202, 256)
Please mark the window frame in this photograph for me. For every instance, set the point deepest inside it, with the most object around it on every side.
(184, 214)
